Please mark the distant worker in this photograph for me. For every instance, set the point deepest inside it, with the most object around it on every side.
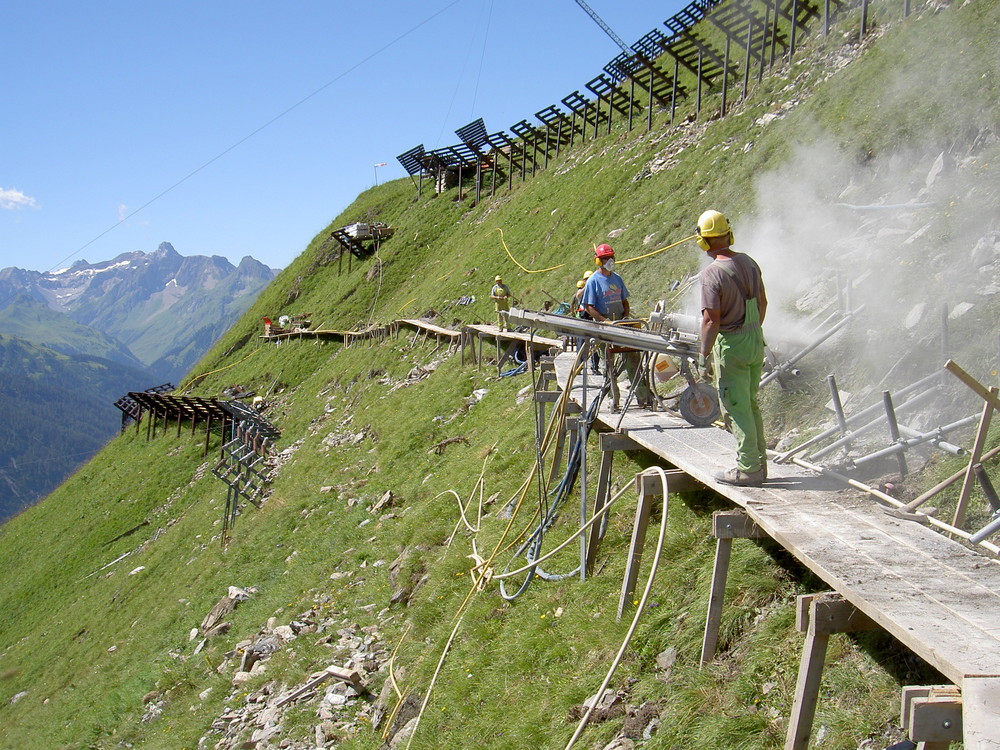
(574, 305)
(500, 295)
(733, 305)
(605, 299)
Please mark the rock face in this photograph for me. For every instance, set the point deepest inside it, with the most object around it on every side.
(167, 309)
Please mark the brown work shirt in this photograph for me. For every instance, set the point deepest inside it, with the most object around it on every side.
(719, 291)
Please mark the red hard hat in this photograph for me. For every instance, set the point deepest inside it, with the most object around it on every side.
(604, 251)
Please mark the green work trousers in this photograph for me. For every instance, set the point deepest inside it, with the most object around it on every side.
(502, 306)
(739, 360)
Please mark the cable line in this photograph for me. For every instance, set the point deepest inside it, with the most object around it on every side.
(526, 270)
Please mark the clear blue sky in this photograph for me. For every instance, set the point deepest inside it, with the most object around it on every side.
(247, 126)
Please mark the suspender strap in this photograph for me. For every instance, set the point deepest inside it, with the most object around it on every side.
(733, 275)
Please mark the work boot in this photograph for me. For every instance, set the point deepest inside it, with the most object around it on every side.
(740, 478)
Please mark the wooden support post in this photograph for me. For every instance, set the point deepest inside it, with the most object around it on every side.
(649, 488)
(932, 715)
(818, 616)
(974, 458)
(609, 442)
(542, 398)
(726, 526)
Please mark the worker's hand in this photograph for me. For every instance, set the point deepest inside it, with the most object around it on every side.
(705, 365)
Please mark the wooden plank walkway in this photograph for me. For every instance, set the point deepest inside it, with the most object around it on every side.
(423, 325)
(936, 596)
(538, 342)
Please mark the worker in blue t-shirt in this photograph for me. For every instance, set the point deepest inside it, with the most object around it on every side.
(605, 298)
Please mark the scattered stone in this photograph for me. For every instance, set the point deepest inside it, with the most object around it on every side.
(665, 662)
(223, 607)
(285, 633)
(609, 705)
(914, 316)
(386, 501)
(959, 310)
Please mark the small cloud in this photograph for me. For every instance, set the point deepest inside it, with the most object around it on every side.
(13, 199)
(124, 213)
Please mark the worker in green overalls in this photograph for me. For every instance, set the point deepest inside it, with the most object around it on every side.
(500, 295)
(733, 305)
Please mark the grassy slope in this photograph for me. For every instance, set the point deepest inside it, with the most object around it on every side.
(60, 615)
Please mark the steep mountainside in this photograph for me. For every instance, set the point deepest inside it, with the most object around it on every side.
(56, 411)
(865, 172)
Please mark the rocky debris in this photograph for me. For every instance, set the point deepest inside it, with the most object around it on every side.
(349, 438)
(415, 375)
(224, 606)
(338, 693)
(471, 400)
(608, 705)
(276, 461)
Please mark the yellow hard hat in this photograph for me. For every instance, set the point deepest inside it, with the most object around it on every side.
(581, 284)
(587, 275)
(712, 224)
(497, 278)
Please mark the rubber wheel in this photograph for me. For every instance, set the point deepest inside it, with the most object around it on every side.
(699, 404)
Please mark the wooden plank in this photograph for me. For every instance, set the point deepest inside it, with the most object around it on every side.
(425, 326)
(540, 342)
(981, 712)
(937, 597)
